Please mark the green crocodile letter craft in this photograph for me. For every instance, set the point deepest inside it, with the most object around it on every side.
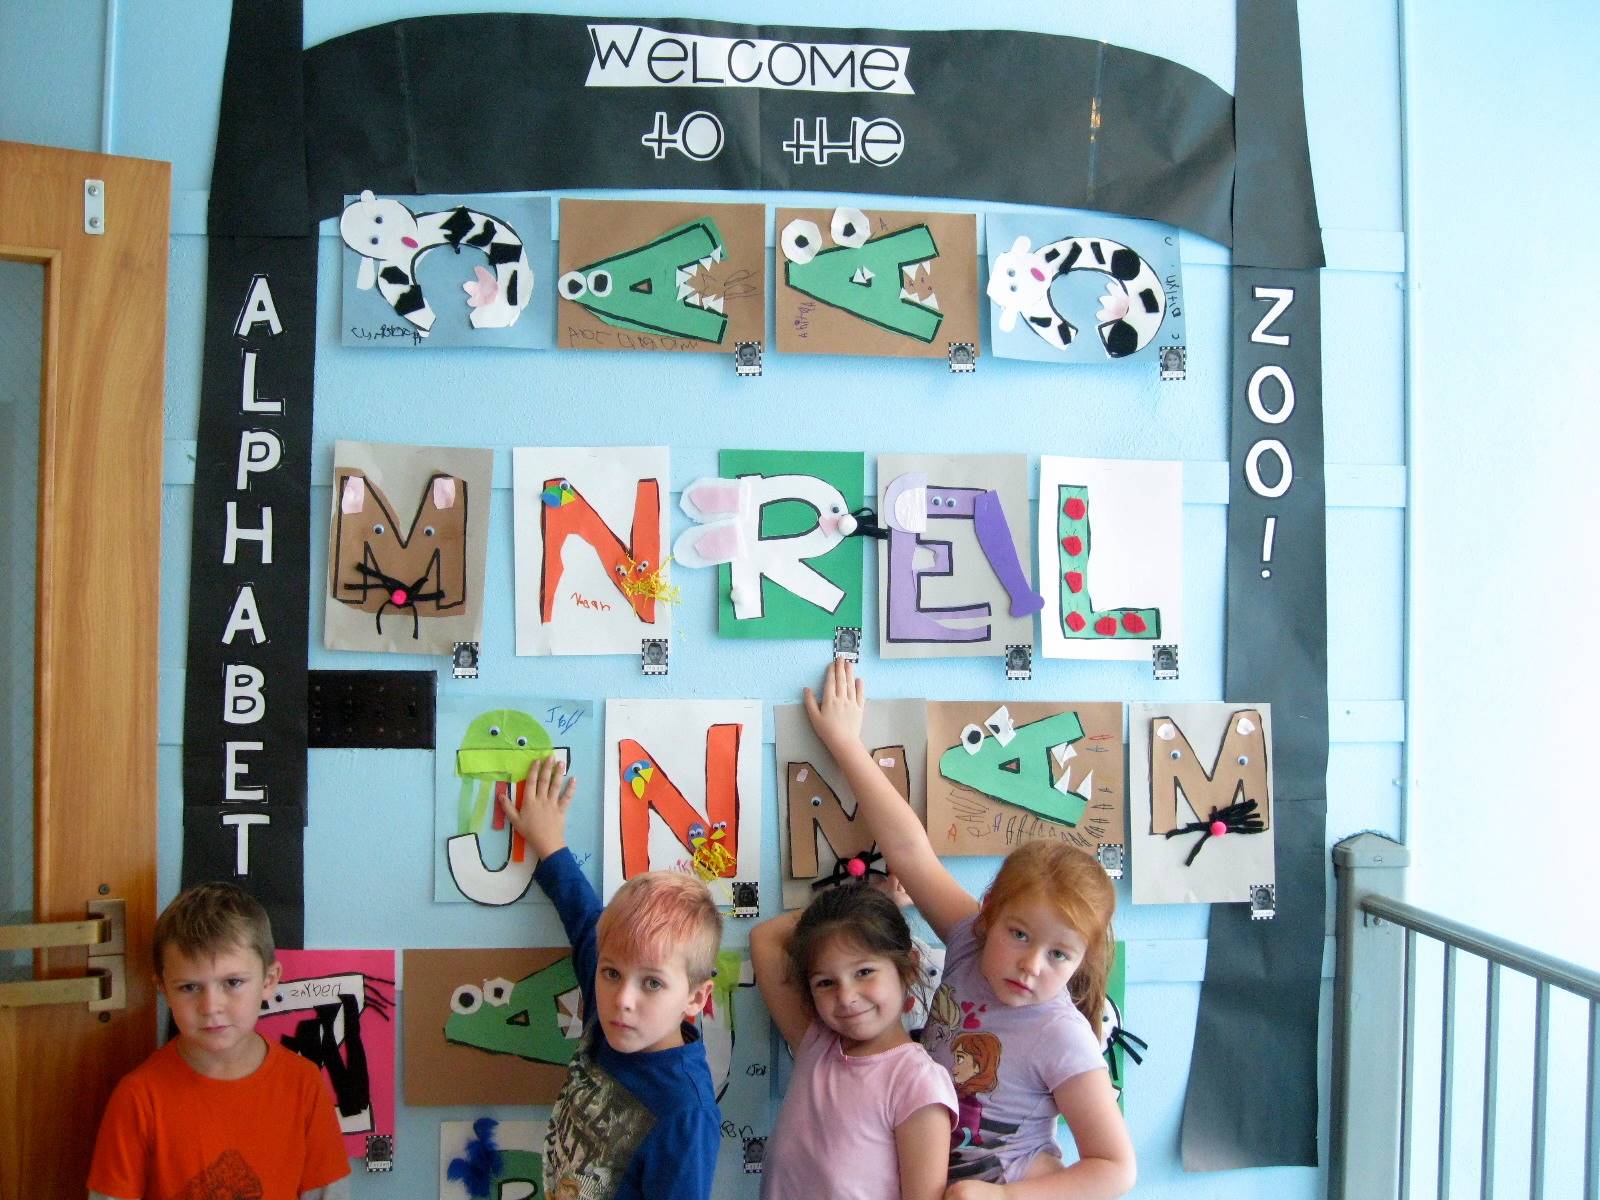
(526, 1022)
(647, 289)
(867, 280)
(1079, 617)
(1019, 772)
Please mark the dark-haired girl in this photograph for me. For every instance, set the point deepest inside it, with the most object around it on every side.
(868, 1114)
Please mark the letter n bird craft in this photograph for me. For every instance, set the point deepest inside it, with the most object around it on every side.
(683, 786)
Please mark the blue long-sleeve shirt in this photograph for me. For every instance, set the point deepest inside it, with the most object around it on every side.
(642, 1126)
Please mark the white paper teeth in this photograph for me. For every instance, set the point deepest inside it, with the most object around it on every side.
(862, 276)
(684, 290)
(716, 254)
(1063, 753)
(1085, 786)
(909, 297)
(930, 301)
(684, 275)
(712, 303)
(710, 260)
(693, 298)
(909, 273)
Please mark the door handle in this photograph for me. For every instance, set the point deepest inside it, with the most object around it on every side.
(102, 986)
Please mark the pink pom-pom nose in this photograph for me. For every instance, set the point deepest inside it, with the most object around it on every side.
(1218, 828)
(856, 867)
(398, 596)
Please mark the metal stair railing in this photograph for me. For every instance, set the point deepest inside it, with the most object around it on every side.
(1375, 1036)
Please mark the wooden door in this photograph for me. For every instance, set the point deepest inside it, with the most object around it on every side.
(99, 558)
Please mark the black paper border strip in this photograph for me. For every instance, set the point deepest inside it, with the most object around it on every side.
(1260, 999)
(244, 741)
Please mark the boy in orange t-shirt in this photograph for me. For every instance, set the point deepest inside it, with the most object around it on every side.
(218, 1111)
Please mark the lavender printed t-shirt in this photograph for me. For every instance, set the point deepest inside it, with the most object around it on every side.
(1006, 1063)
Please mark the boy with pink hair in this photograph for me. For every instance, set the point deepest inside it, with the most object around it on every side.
(638, 1118)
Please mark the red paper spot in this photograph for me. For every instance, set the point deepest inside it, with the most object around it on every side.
(1074, 581)
(1075, 622)
(1133, 623)
(1075, 509)
(1072, 545)
(1105, 626)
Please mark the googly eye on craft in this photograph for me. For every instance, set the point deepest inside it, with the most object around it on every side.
(522, 743)
(850, 227)
(972, 738)
(719, 827)
(497, 992)
(466, 1000)
(1244, 760)
(801, 239)
(1175, 755)
(572, 285)
(378, 529)
(696, 830)
(600, 284)
(494, 731)
(816, 802)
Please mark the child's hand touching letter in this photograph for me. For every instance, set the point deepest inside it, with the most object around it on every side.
(837, 720)
(542, 819)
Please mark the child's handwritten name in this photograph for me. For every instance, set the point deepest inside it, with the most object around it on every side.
(585, 602)
(802, 319)
(385, 333)
(563, 719)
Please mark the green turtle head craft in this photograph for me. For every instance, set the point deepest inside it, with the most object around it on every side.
(500, 746)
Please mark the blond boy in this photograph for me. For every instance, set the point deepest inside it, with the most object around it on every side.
(637, 1119)
(218, 1110)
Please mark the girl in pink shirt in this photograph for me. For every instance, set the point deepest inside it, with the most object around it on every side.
(868, 1114)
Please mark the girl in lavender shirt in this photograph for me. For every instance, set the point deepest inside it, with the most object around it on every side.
(868, 1114)
(1024, 984)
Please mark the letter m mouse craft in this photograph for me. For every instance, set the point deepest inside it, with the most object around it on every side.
(378, 567)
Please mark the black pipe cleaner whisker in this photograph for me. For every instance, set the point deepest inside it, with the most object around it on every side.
(867, 525)
(842, 872)
(1125, 1041)
(1241, 817)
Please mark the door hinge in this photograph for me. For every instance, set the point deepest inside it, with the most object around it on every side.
(94, 206)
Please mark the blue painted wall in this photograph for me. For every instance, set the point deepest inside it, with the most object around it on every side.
(368, 853)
